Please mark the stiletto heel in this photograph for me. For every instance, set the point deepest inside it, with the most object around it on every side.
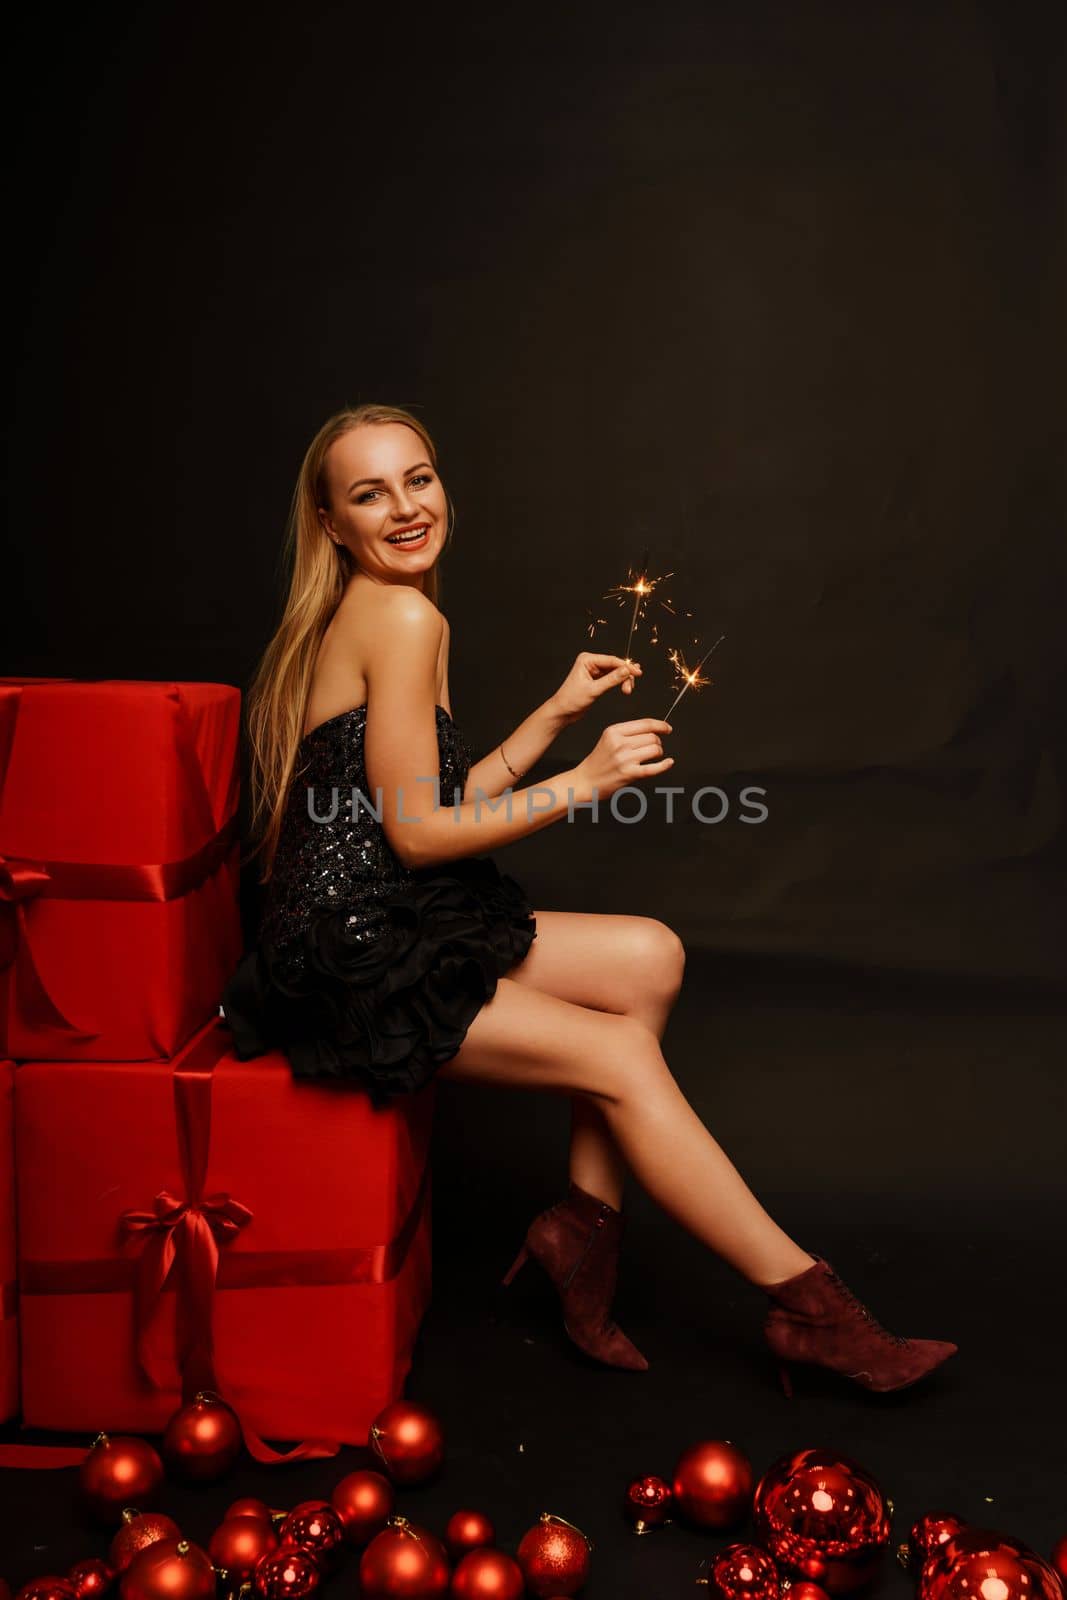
(787, 1384)
(520, 1260)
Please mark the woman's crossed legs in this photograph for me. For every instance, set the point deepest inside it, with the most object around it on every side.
(583, 1015)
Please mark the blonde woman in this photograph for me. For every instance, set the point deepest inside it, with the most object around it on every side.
(392, 949)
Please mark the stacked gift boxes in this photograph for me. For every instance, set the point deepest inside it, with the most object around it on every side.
(184, 1220)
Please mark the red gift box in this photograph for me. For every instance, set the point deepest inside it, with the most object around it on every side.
(119, 922)
(219, 1225)
(9, 1347)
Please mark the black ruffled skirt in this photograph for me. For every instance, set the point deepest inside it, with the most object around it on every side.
(385, 1013)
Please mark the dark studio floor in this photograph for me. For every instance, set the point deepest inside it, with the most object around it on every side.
(912, 1131)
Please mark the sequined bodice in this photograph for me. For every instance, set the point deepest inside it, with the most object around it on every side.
(344, 861)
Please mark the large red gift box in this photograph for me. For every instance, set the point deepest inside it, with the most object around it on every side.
(134, 1180)
(9, 1349)
(119, 923)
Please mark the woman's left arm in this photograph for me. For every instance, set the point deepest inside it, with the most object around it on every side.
(590, 677)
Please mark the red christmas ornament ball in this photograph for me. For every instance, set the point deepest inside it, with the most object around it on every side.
(647, 1502)
(713, 1483)
(202, 1439)
(315, 1527)
(1059, 1559)
(240, 1543)
(364, 1501)
(170, 1569)
(139, 1530)
(249, 1506)
(47, 1588)
(804, 1589)
(930, 1531)
(822, 1516)
(286, 1575)
(554, 1557)
(404, 1562)
(468, 1530)
(91, 1578)
(118, 1472)
(979, 1564)
(485, 1574)
(744, 1572)
(410, 1441)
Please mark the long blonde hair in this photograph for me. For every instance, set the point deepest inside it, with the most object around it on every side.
(277, 697)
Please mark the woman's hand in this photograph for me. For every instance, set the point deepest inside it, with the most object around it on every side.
(591, 676)
(617, 757)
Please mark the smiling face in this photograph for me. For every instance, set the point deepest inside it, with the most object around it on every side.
(386, 503)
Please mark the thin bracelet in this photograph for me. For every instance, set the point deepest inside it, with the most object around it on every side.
(507, 763)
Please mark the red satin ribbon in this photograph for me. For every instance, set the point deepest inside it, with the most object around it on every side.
(180, 1244)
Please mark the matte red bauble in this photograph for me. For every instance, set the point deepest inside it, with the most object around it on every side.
(170, 1569)
(468, 1530)
(554, 1557)
(713, 1484)
(240, 1543)
(978, 1564)
(1059, 1558)
(202, 1439)
(647, 1503)
(139, 1530)
(91, 1578)
(932, 1530)
(743, 1572)
(286, 1575)
(403, 1562)
(119, 1472)
(249, 1506)
(315, 1527)
(47, 1588)
(824, 1517)
(364, 1501)
(409, 1440)
(486, 1574)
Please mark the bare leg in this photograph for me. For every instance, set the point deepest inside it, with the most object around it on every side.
(629, 965)
(527, 1039)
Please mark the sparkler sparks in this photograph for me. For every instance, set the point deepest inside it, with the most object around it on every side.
(689, 677)
(640, 586)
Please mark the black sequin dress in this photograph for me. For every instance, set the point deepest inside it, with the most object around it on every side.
(366, 970)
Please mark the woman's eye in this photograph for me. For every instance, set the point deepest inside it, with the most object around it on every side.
(365, 496)
(423, 477)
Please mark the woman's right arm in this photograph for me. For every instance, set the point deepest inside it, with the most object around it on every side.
(402, 757)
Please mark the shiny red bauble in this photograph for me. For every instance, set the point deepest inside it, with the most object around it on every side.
(139, 1530)
(824, 1517)
(554, 1557)
(250, 1506)
(486, 1574)
(240, 1543)
(1059, 1559)
(91, 1578)
(930, 1531)
(364, 1501)
(743, 1572)
(315, 1527)
(804, 1589)
(647, 1502)
(119, 1472)
(468, 1530)
(170, 1569)
(713, 1484)
(286, 1575)
(979, 1564)
(47, 1588)
(404, 1562)
(409, 1440)
(202, 1439)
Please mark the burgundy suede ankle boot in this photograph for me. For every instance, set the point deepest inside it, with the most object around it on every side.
(577, 1243)
(815, 1318)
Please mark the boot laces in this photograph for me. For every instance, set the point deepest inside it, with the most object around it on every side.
(857, 1305)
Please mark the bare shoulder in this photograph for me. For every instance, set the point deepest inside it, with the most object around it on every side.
(382, 611)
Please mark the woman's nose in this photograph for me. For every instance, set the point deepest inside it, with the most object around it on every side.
(404, 502)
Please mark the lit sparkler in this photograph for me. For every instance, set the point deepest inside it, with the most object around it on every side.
(688, 677)
(640, 587)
